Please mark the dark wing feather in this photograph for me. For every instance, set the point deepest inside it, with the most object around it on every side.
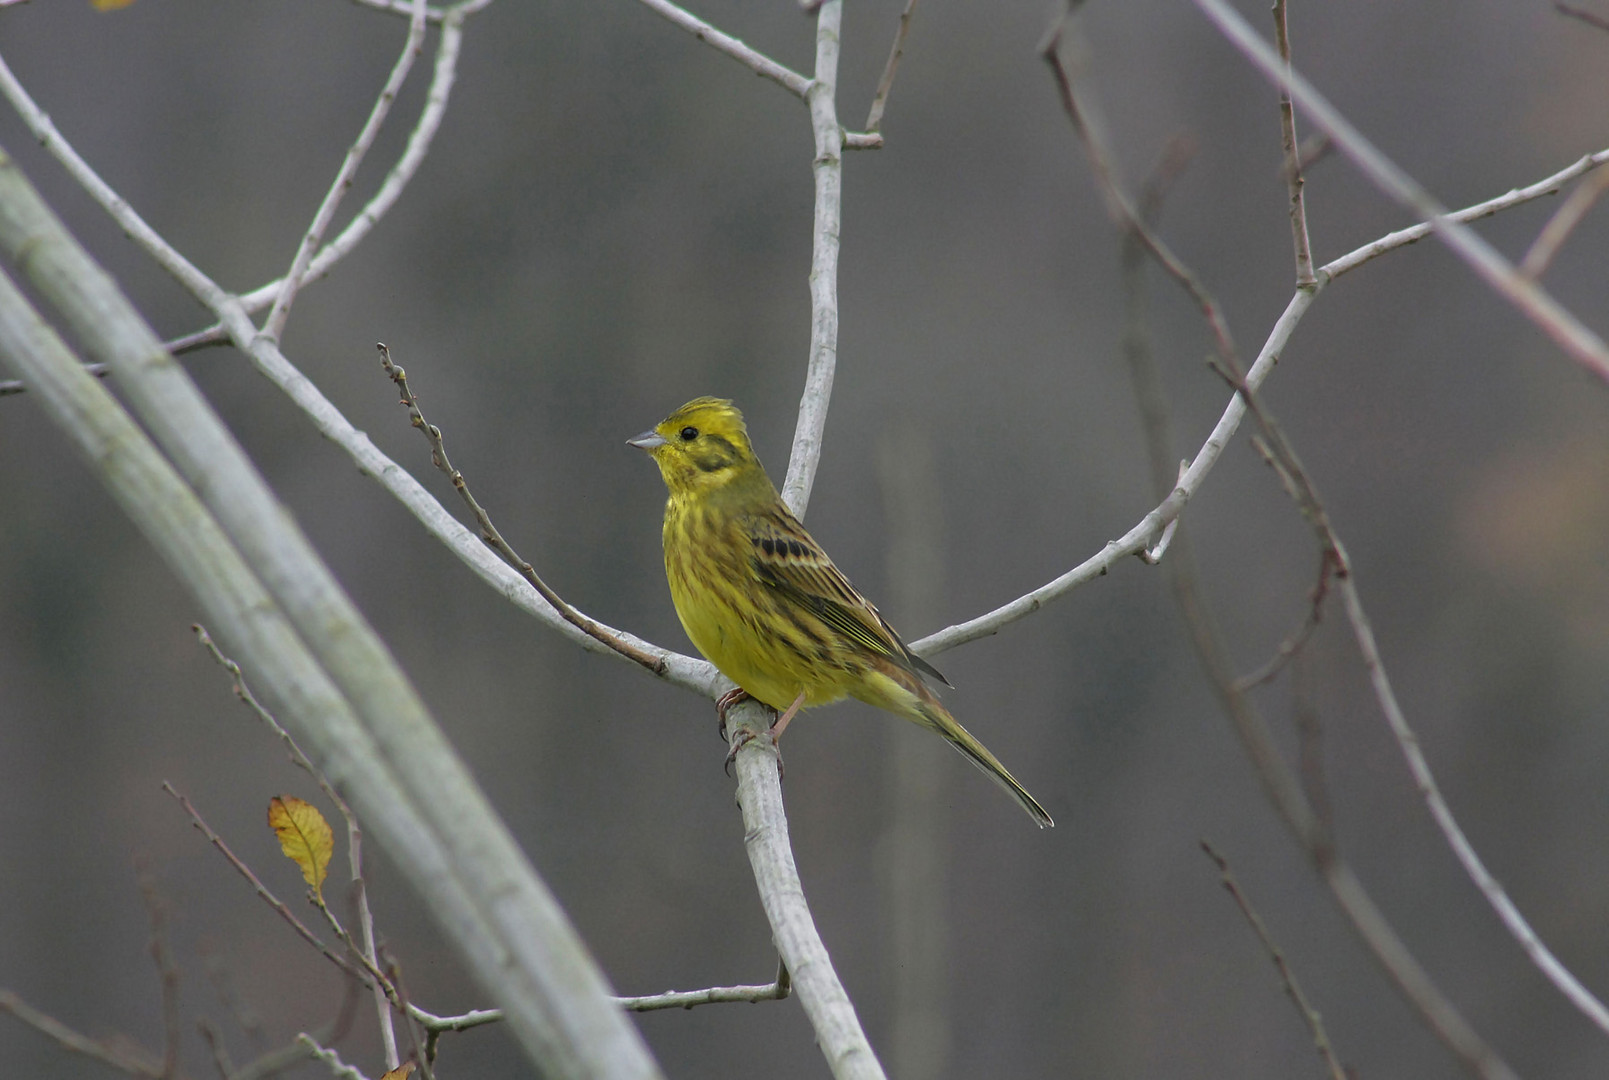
(788, 559)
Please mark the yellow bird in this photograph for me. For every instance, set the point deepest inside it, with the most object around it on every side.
(765, 604)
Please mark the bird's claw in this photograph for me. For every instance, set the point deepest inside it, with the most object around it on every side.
(743, 738)
(723, 705)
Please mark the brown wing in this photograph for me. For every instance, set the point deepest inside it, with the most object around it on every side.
(788, 559)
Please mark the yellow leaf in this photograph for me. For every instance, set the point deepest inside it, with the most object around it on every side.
(304, 837)
(401, 1072)
(109, 5)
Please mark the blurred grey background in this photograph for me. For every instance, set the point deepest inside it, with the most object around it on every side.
(615, 219)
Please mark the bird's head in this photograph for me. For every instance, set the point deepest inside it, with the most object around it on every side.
(703, 447)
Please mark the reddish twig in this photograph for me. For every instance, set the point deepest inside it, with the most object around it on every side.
(494, 539)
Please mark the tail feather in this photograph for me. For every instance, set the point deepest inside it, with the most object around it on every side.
(939, 719)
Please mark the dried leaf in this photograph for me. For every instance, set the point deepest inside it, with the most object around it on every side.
(304, 837)
(401, 1072)
(109, 5)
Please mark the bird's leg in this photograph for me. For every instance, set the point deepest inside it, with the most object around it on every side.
(735, 696)
(782, 721)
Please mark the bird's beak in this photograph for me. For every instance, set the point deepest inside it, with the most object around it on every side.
(648, 440)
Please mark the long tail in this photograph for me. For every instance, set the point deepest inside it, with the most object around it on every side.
(939, 719)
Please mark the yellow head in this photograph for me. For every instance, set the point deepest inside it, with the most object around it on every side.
(702, 448)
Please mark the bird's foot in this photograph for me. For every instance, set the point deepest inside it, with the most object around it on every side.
(739, 741)
(723, 704)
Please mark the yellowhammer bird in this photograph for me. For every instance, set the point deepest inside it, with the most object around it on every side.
(763, 602)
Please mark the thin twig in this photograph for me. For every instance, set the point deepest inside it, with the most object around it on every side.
(262, 890)
(1293, 157)
(1293, 989)
(1119, 205)
(1548, 185)
(413, 155)
(1280, 785)
(874, 119)
(1310, 744)
(215, 1044)
(17, 386)
(1568, 332)
(1570, 214)
(157, 909)
(393, 971)
(274, 325)
(275, 1062)
(338, 1068)
(1317, 516)
(494, 539)
(1145, 531)
(354, 842)
(119, 1058)
(239, 1010)
(1293, 643)
(1589, 17)
(751, 58)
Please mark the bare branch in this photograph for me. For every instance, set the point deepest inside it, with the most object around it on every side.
(1293, 643)
(1293, 989)
(354, 840)
(1144, 532)
(157, 909)
(765, 838)
(828, 168)
(1570, 214)
(755, 61)
(1549, 185)
(1314, 512)
(874, 119)
(1579, 342)
(413, 155)
(1293, 156)
(1588, 17)
(1118, 204)
(262, 890)
(338, 1068)
(274, 325)
(494, 539)
(65, 1037)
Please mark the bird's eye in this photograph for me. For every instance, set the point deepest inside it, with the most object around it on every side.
(689, 434)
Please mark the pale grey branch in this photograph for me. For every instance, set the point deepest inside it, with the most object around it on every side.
(822, 99)
(1577, 340)
(755, 61)
(274, 325)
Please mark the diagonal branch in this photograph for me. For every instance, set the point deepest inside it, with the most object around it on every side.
(391, 188)
(874, 118)
(274, 325)
(1137, 538)
(494, 539)
(1579, 342)
(751, 58)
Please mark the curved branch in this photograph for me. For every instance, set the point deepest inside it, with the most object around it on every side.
(1150, 526)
